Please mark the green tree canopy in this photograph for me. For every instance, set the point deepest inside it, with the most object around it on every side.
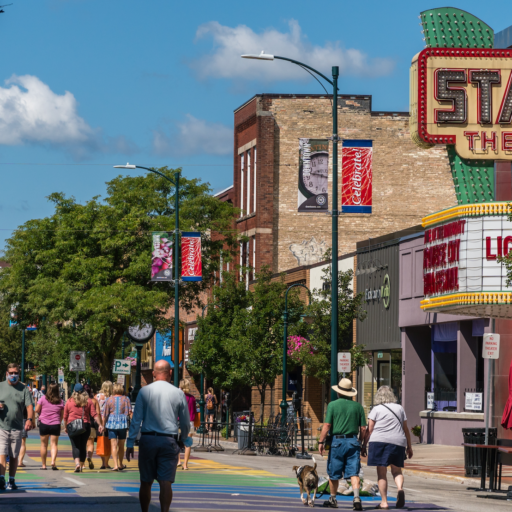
(83, 274)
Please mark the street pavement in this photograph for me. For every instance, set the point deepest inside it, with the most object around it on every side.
(215, 481)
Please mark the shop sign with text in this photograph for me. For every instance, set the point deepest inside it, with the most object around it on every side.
(463, 97)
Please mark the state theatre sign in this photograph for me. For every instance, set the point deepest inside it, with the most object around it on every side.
(462, 274)
(463, 97)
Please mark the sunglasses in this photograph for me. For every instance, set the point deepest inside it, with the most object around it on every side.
(13, 373)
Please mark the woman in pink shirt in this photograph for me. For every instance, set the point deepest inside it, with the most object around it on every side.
(50, 410)
(77, 407)
(191, 402)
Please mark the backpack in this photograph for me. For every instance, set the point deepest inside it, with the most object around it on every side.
(210, 402)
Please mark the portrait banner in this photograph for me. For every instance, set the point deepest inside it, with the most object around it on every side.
(313, 174)
(356, 180)
(161, 257)
(191, 265)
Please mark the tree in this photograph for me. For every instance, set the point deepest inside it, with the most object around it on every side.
(83, 273)
(315, 356)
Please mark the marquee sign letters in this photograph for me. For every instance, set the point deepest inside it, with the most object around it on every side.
(463, 97)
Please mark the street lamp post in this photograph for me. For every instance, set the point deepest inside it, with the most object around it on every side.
(335, 212)
(284, 404)
(176, 183)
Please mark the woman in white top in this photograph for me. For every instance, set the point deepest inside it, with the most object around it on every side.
(102, 397)
(389, 439)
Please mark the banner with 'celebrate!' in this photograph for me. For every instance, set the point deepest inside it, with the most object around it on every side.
(356, 181)
(191, 267)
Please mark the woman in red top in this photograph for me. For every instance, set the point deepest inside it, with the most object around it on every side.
(191, 402)
(78, 406)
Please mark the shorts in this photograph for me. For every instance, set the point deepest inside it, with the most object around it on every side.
(49, 430)
(24, 434)
(117, 433)
(158, 458)
(344, 459)
(10, 443)
(385, 454)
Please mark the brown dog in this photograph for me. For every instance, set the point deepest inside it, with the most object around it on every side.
(308, 482)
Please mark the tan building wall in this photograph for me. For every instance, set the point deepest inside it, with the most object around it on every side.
(408, 182)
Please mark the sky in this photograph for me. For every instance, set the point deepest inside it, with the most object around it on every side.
(88, 84)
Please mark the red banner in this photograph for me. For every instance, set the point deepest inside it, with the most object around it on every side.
(356, 181)
(191, 266)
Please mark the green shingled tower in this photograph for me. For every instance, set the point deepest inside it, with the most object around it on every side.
(447, 27)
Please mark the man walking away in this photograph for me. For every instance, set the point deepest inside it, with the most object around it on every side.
(14, 397)
(345, 419)
(158, 407)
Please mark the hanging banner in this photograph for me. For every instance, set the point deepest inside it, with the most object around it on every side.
(313, 174)
(356, 181)
(13, 320)
(191, 266)
(161, 257)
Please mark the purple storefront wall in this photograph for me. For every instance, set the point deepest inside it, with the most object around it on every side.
(416, 355)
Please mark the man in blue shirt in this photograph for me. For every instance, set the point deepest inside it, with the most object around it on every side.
(157, 408)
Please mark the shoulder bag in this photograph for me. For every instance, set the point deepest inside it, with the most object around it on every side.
(394, 414)
(76, 427)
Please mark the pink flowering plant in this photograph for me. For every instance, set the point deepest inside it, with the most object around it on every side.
(299, 349)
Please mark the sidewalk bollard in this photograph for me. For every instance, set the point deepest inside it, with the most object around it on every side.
(303, 454)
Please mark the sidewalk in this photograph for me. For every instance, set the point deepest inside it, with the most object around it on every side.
(444, 463)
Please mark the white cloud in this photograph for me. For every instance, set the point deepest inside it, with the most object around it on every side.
(193, 137)
(31, 113)
(230, 43)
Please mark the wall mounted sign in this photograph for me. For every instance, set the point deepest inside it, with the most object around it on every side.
(313, 174)
(384, 292)
(473, 402)
(356, 181)
(463, 97)
(191, 265)
(461, 271)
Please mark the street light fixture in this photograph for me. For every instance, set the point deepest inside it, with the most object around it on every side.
(176, 183)
(284, 404)
(335, 212)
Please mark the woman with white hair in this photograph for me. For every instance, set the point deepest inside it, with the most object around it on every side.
(389, 440)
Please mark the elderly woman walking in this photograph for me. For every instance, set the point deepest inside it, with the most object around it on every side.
(389, 440)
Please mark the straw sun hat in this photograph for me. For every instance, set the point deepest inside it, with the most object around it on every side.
(344, 387)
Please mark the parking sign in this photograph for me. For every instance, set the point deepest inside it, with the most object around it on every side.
(122, 366)
(344, 362)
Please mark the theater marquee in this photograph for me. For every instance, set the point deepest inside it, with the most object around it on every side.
(462, 273)
(463, 97)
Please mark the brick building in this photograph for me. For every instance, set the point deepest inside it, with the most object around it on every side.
(408, 183)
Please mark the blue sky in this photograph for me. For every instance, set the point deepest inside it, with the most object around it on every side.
(86, 84)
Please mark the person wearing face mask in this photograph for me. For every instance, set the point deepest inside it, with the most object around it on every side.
(14, 397)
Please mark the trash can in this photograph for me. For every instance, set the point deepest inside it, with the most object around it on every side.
(473, 456)
(243, 436)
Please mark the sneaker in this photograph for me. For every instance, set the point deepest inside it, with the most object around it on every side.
(332, 502)
(11, 486)
(2, 484)
(357, 503)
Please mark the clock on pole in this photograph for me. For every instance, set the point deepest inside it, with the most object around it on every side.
(140, 334)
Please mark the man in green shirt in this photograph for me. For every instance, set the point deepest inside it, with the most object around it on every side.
(346, 421)
(14, 397)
